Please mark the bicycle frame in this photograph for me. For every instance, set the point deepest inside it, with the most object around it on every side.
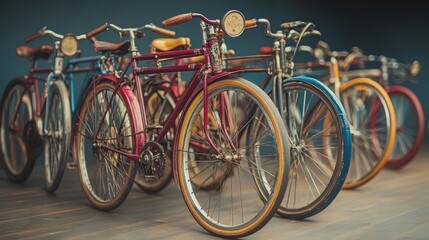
(279, 67)
(41, 102)
(73, 67)
(32, 81)
(209, 51)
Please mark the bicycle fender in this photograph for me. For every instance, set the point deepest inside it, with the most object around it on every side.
(341, 114)
(132, 104)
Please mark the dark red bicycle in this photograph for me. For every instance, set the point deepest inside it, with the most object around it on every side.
(230, 160)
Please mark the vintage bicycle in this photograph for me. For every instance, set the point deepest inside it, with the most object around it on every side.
(312, 114)
(33, 121)
(68, 64)
(409, 111)
(315, 177)
(369, 109)
(243, 154)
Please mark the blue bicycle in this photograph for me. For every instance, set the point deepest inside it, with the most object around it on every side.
(319, 133)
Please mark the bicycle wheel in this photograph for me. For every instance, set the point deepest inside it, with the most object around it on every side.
(320, 141)
(233, 206)
(409, 125)
(373, 126)
(105, 118)
(16, 156)
(159, 105)
(57, 139)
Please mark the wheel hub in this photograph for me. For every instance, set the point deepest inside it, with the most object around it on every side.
(32, 134)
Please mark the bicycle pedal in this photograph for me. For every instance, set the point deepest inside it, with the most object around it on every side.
(150, 178)
(71, 166)
(154, 128)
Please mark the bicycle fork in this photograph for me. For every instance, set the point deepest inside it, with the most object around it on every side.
(223, 120)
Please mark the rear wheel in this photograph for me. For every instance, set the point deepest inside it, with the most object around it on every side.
(373, 127)
(16, 157)
(104, 119)
(57, 139)
(409, 126)
(320, 146)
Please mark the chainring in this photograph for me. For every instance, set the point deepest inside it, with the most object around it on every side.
(151, 162)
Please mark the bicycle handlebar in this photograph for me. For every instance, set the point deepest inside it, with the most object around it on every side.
(97, 30)
(34, 36)
(302, 48)
(185, 17)
(178, 19)
(250, 23)
(50, 33)
(296, 35)
(291, 34)
(267, 29)
(412, 68)
(125, 31)
(163, 31)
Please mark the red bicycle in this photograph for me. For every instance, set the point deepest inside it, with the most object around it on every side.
(232, 170)
(410, 118)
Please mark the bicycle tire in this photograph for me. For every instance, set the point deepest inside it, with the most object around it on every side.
(57, 139)
(316, 176)
(410, 122)
(16, 157)
(247, 223)
(117, 130)
(372, 147)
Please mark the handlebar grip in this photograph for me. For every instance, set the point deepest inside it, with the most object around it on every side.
(293, 25)
(230, 52)
(250, 23)
(96, 31)
(342, 53)
(177, 19)
(357, 50)
(315, 33)
(32, 37)
(266, 50)
(324, 46)
(163, 31)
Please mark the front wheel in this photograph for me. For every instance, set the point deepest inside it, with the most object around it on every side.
(373, 126)
(409, 126)
(104, 122)
(320, 140)
(246, 181)
(57, 138)
(15, 124)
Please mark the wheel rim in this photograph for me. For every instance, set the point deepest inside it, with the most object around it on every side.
(204, 203)
(56, 140)
(317, 152)
(13, 145)
(105, 174)
(372, 125)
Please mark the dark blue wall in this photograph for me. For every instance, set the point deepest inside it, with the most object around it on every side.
(397, 29)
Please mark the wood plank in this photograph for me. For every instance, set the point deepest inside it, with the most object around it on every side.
(394, 205)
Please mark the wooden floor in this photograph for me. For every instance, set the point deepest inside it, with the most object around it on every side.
(394, 205)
